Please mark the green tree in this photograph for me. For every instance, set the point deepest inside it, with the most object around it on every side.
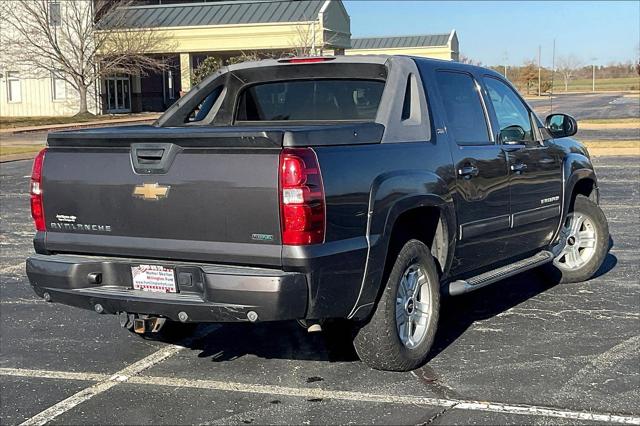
(212, 64)
(528, 75)
(207, 67)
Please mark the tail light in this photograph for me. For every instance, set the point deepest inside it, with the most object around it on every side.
(37, 209)
(302, 207)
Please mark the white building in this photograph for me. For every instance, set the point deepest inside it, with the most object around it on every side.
(25, 91)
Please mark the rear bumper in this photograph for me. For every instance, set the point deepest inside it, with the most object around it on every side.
(207, 293)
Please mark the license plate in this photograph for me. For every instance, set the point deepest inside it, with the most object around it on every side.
(153, 278)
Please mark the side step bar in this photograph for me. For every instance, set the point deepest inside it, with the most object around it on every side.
(459, 287)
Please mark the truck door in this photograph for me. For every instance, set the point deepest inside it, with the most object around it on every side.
(535, 179)
(481, 193)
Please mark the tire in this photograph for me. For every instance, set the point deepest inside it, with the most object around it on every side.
(379, 343)
(587, 241)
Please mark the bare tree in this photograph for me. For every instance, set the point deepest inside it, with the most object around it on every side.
(467, 60)
(305, 41)
(76, 42)
(567, 66)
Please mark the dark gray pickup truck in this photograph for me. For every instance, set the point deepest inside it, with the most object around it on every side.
(353, 189)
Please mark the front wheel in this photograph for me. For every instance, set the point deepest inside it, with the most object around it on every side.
(400, 333)
(586, 236)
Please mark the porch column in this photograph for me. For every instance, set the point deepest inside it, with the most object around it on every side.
(185, 72)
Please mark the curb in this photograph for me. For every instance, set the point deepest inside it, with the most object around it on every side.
(18, 157)
(83, 124)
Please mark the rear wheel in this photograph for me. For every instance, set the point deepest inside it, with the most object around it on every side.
(401, 331)
(586, 236)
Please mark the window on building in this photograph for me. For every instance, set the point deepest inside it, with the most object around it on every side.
(54, 14)
(14, 87)
(58, 86)
(464, 111)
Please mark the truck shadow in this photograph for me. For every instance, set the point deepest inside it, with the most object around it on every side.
(275, 340)
(287, 340)
(459, 313)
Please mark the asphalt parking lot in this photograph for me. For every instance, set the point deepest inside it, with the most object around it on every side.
(520, 351)
(589, 105)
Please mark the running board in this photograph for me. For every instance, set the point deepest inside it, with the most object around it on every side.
(465, 286)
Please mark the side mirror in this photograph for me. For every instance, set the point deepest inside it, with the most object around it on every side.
(512, 135)
(561, 125)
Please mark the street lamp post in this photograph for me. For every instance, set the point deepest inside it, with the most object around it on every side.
(539, 74)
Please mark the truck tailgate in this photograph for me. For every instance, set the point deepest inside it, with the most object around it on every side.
(210, 198)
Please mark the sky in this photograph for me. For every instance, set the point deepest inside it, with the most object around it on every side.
(495, 32)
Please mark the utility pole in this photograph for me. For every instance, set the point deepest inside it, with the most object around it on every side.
(553, 71)
(539, 74)
(505, 56)
(593, 74)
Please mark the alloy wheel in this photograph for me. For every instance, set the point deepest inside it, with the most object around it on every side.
(413, 306)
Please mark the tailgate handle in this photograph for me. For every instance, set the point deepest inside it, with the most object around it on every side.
(153, 158)
(149, 156)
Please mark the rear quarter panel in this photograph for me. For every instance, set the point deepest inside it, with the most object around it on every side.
(366, 188)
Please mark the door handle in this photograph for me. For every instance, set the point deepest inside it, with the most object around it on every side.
(519, 168)
(468, 171)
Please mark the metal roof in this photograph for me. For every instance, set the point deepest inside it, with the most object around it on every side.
(221, 13)
(424, 40)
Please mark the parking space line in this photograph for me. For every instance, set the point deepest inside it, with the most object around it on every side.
(110, 381)
(23, 302)
(46, 374)
(106, 382)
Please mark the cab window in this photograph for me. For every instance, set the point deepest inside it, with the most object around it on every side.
(466, 119)
(513, 116)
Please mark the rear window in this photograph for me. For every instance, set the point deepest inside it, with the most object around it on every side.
(311, 100)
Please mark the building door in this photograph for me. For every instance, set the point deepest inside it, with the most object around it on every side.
(118, 94)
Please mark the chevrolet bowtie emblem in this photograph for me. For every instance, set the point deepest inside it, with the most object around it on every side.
(151, 191)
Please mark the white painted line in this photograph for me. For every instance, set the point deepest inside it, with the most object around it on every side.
(289, 391)
(494, 407)
(532, 410)
(46, 374)
(23, 302)
(107, 383)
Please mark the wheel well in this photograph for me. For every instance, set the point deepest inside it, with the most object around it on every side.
(585, 187)
(425, 224)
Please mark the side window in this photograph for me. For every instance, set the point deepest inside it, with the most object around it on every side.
(203, 109)
(513, 116)
(465, 116)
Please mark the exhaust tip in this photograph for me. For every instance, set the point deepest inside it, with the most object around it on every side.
(47, 297)
(139, 326)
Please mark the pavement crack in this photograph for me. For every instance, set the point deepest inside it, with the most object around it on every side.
(437, 415)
